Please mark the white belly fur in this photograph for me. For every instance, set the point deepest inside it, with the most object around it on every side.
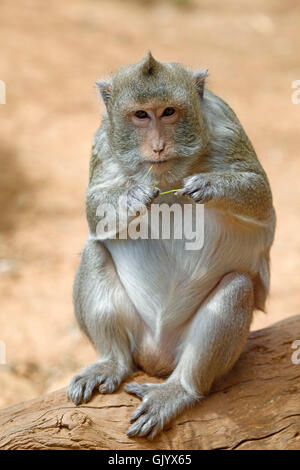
(167, 283)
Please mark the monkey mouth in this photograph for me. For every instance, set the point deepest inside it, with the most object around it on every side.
(158, 162)
(160, 167)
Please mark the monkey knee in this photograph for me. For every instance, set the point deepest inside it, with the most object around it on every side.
(239, 284)
(94, 253)
(235, 298)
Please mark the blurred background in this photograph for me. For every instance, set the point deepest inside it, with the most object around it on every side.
(51, 53)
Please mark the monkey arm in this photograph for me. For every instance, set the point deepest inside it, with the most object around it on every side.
(110, 190)
(104, 187)
(96, 197)
(118, 206)
(243, 193)
(234, 179)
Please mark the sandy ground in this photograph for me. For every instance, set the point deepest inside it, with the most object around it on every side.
(51, 54)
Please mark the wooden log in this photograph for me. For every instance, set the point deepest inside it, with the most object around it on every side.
(256, 406)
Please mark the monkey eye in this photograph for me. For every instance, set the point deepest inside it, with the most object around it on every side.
(168, 111)
(140, 114)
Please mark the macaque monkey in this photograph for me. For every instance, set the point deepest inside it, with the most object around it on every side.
(151, 303)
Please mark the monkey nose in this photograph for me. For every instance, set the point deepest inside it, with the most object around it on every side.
(159, 147)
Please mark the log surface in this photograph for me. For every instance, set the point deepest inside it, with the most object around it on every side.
(256, 406)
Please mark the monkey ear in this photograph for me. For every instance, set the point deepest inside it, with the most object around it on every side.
(199, 80)
(104, 87)
(149, 64)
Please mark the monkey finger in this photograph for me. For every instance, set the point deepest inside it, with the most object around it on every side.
(186, 192)
(156, 191)
(197, 195)
(181, 192)
(191, 180)
(202, 196)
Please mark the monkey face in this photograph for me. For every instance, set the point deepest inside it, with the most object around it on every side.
(155, 125)
(154, 116)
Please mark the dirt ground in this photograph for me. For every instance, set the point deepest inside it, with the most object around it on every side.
(51, 55)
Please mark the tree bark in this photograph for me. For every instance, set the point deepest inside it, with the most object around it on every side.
(256, 406)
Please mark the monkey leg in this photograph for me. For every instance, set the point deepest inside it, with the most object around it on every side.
(106, 315)
(213, 342)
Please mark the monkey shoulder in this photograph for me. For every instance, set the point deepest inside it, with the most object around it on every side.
(99, 141)
(223, 123)
(99, 149)
(214, 104)
(230, 145)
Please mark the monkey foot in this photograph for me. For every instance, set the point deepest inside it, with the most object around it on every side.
(160, 404)
(104, 375)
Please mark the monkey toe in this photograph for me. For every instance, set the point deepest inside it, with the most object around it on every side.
(148, 423)
(137, 389)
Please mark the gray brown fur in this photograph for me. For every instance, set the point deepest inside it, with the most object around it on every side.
(148, 303)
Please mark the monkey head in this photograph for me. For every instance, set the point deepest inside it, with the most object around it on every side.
(154, 118)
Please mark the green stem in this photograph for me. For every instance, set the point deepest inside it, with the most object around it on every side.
(166, 192)
(149, 171)
(171, 191)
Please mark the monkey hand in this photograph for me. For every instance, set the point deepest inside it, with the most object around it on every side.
(139, 198)
(199, 187)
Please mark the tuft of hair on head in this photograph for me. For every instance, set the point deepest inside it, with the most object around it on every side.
(199, 81)
(105, 88)
(149, 65)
